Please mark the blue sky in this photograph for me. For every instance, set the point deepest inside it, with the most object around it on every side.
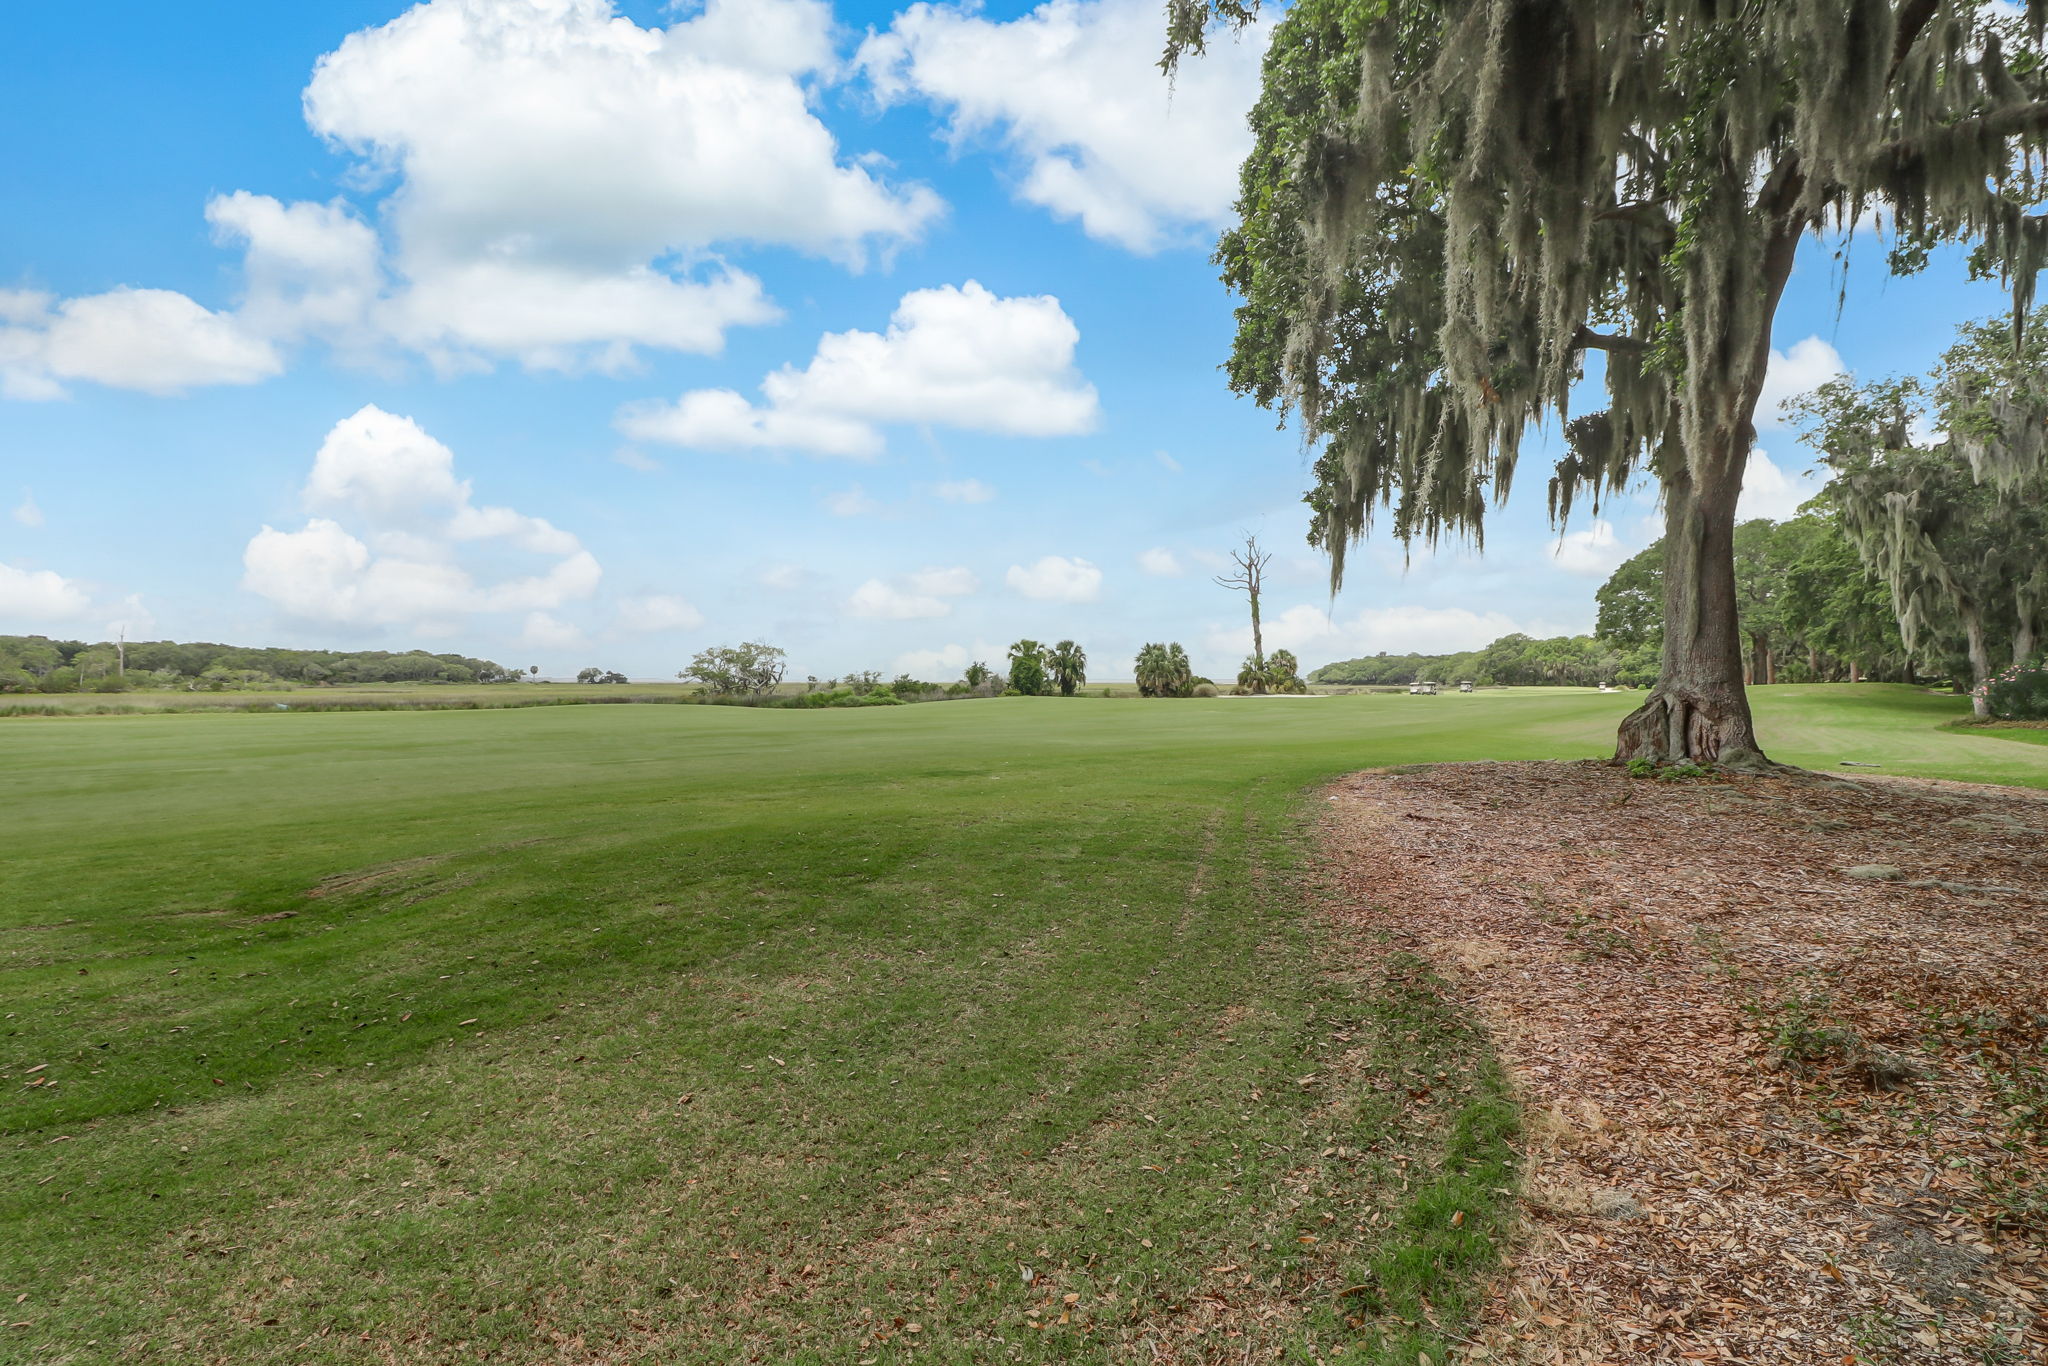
(369, 325)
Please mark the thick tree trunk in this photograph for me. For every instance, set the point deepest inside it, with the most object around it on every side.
(1980, 664)
(2024, 641)
(1698, 710)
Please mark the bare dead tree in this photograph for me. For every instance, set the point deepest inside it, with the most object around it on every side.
(1250, 577)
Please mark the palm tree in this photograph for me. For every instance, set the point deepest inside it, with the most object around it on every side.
(1069, 665)
(1163, 671)
(1283, 672)
(1027, 669)
(1251, 675)
(977, 674)
(1151, 671)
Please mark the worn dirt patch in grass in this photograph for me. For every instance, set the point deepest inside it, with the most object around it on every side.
(1778, 1113)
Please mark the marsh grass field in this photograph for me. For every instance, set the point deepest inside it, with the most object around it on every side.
(1004, 1030)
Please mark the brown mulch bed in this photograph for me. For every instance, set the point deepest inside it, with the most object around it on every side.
(1777, 1113)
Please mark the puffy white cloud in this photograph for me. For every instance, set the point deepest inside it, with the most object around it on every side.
(40, 595)
(1057, 579)
(723, 419)
(557, 318)
(1072, 91)
(308, 269)
(658, 612)
(964, 491)
(1160, 563)
(952, 356)
(47, 599)
(1768, 491)
(1594, 552)
(399, 483)
(913, 596)
(385, 467)
(558, 164)
(557, 182)
(879, 600)
(26, 512)
(155, 340)
(1808, 364)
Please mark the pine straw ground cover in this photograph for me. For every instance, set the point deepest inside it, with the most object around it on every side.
(1779, 1111)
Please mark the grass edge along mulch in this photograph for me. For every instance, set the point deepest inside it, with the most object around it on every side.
(1780, 1110)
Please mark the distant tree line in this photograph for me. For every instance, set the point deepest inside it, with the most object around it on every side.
(1810, 610)
(1513, 660)
(40, 664)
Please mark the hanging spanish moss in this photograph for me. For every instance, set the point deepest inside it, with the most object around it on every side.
(1450, 203)
(1942, 492)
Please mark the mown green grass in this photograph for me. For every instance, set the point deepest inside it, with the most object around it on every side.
(700, 1034)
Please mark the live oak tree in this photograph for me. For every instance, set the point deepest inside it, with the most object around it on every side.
(1450, 203)
(750, 668)
(1962, 556)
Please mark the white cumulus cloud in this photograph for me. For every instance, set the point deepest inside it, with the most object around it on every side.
(1806, 365)
(1072, 92)
(563, 173)
(40, 595)
(1768, 491)
(955, 356)
(1160, 563)
(913, 596)
(879, 600)
(308, 269)
(1056, 578)
(398, 484)
(553, 184)
(154, 340)
(1595, 552)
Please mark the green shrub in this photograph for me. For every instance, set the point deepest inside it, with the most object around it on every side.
(2020, 693)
